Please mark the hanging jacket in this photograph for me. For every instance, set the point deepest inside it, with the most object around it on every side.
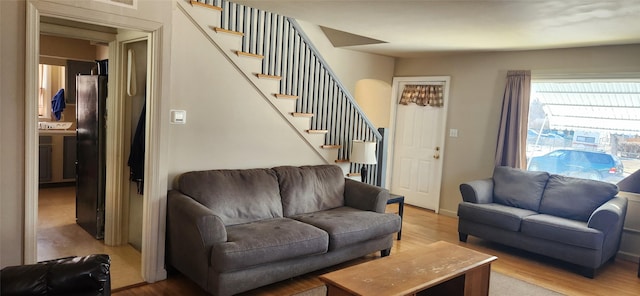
(58, 104)
(136, 155)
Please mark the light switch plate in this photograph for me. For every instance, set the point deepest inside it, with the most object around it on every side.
(453, 133)
(178, 116)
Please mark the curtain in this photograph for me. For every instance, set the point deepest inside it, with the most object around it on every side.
(511, 146)
(423, 95)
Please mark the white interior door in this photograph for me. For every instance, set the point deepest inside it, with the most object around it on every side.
(417, 150)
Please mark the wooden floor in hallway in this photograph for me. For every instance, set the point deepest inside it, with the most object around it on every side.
(60, 236)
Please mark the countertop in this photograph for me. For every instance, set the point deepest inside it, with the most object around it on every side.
(56, 132)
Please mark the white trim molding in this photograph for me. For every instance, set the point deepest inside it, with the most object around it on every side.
(155, 186)
(155, 173)
(31, 135)
(397, 81)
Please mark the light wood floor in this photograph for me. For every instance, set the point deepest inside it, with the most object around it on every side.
(60, 236)
(422, 227)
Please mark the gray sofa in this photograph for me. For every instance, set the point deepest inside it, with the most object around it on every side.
(575, 220)
(231, 231)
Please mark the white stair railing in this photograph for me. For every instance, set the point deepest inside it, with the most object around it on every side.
(288, 53)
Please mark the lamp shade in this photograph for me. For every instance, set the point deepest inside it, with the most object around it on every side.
(363, 152)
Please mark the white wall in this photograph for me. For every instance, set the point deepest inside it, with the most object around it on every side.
(12, 127)
(350, 66)
(374, 97)
(222, 133)
(477, 85)
(229, 125)
(12, 30)
(367, 77)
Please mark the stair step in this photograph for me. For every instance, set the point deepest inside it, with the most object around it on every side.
(342, 160)
(298, 114)
(283, 96)
(331, 146)
(353, 174)
(317, 131)
(265, 76)
(248, 54)
(218, 8)
(221, 30)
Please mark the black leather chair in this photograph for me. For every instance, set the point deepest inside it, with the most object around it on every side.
(88, 275)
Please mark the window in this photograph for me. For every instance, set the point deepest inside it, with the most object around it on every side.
(585, 128)
(51, 78)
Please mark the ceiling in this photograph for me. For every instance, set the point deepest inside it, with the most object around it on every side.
(423, 27)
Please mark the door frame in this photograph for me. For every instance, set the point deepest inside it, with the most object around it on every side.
(153, 209)
(393, 119)
(120, 235)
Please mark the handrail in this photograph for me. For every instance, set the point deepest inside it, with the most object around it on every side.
(289, 53)
(338, 82)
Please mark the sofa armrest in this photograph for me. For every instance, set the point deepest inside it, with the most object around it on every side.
(192, 229)
(186, 213)
(478, 191)
(609, 216)
(365, 197)
(86, 275)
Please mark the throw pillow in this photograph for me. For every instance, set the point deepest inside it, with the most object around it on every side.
(575, 198)
(236, 196)
(518, 188)
(309, 189)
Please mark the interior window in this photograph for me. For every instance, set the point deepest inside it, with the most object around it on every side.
(585, 128)
(51, 78)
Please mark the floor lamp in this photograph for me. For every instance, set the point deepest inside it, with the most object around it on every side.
(364, 153)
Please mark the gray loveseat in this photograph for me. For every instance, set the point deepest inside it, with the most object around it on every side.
(575, 220)
(235, 230)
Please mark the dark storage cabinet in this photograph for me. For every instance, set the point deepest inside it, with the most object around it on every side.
(69, 157)
(57, 157)
(44, 158)
(90, 153)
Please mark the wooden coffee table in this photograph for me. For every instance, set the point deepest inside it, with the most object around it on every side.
(439, 269)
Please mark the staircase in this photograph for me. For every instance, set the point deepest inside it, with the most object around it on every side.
(279, 60)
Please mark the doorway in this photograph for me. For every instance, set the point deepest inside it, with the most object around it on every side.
(155, 185)
(418, 144)
(59, 236)
(58, 231)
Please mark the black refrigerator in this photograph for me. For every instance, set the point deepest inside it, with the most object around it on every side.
(91, 96)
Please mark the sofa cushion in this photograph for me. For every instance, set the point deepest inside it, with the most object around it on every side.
(236, 196)
(497, 215)
(30, 279)
(518, 188)
(347, 226)
(562, 230)
(309, 189)
(267, 241)
(575, 198)
(74, 275)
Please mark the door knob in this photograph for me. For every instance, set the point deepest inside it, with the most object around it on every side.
(437, 154)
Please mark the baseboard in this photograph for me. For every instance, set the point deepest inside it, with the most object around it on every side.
(448, 213)
(626, 256)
